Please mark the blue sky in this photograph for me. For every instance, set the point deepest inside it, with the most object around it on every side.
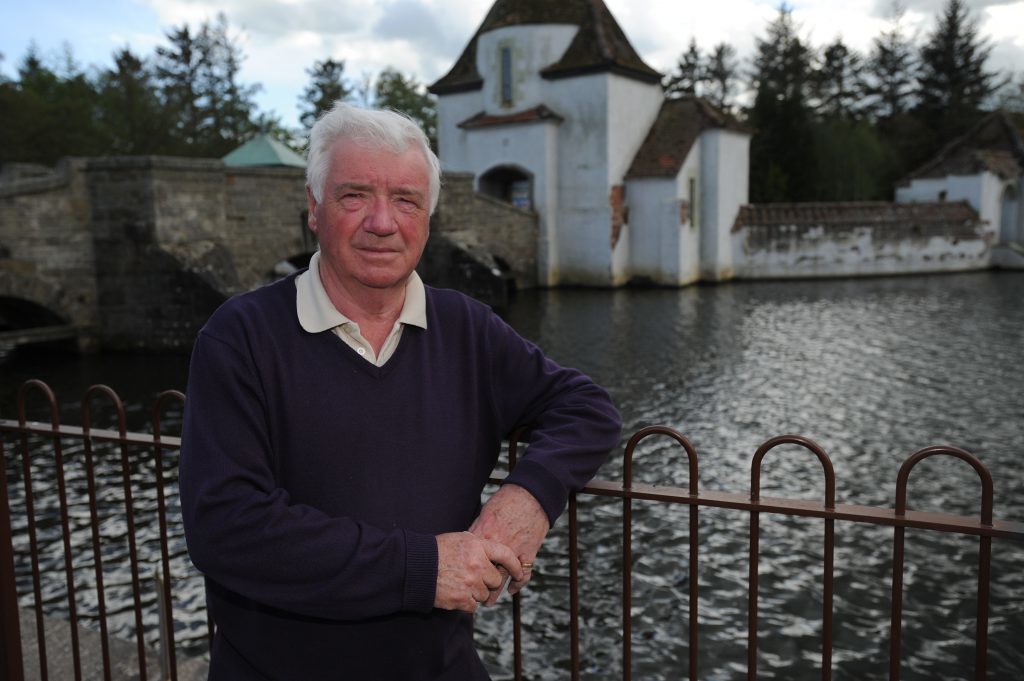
(282, 38)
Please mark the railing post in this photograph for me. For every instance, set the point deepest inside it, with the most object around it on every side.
(10, 629)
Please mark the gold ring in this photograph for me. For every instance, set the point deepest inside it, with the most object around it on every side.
(527, 566)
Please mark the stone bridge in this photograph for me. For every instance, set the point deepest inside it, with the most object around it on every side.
(134, 253)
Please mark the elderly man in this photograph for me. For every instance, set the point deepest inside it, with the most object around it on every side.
(341, 425)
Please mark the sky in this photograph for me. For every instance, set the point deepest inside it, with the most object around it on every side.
(281, 39)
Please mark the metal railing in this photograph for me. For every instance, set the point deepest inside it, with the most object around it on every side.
(76, 511)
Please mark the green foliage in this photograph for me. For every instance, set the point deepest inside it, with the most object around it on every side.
(689, 73)
(848, 156)
(404, 94)
(953, 83)
(721, 73)
(890, 72)
(327, 86)
(197, 78)
(781, 151)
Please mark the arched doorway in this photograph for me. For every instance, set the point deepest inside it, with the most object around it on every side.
(510, 184)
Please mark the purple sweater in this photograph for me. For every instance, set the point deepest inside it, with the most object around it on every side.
(313, 482)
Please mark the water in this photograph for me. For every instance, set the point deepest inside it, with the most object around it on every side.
(872, 370)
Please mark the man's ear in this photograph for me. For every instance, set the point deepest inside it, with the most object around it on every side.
(311, 213)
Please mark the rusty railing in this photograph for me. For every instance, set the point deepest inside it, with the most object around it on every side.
(149, 454)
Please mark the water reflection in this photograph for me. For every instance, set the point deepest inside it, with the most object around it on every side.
(870, 369)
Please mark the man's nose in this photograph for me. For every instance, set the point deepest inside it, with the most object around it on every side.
(380, 219)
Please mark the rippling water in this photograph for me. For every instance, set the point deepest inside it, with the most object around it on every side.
(872, 370)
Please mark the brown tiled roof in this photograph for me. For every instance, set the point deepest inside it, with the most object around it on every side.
(483, 119)
(679, 123)
(994, 144)
(599, 45)
(840, 214)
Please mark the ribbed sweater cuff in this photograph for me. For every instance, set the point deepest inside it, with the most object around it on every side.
(420, 572)
(545, 487)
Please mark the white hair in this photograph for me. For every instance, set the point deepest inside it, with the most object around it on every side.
(377, 128)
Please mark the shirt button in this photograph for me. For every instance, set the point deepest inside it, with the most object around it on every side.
(361, 351)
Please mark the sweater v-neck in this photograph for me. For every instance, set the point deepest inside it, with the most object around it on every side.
(349, 354)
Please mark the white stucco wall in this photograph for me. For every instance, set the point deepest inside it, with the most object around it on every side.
(809, 252)
(452, 141)
(725, 163)
(533, 48)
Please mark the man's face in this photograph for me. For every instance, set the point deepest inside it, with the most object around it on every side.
(373, 219)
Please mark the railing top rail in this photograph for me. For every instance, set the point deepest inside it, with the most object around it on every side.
(96, 434)
(1004, 529)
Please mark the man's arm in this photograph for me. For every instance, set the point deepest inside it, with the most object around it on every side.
(573, 425)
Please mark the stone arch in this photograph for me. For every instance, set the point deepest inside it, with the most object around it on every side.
(1009, 215)
(509, 183)
(29, 301)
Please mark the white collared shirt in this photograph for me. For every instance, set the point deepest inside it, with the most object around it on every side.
(318, 314)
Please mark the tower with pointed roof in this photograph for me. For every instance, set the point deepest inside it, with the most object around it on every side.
(546, 106)
(550, 108)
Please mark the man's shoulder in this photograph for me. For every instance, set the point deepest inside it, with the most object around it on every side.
(446, 301)
(270, 303)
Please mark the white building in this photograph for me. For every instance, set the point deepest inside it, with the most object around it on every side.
(984, 167)
(550, 108)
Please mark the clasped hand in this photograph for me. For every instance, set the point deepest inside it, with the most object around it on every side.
(474, 566)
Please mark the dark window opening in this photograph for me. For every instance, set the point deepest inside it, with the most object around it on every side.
(510, 185)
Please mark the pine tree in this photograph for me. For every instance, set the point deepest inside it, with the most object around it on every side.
(689, 73)
(890, 71)
(838, 82)
(327, 86)
(721, 73)
(781, 150)
(396, 91)
(953, 84)
(130, 109)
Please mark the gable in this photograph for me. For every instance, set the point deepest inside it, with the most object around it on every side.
(676, 129)
(599, 45)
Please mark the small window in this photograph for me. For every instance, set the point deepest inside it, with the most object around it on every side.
(506, 76)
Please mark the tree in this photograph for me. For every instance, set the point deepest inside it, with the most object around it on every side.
(721, 73)
(227, 106)
(198, 83)
(781, 150)
(327, 85)
(129, 110)
(837, 82)
(406, 95)
(889, 72)
(49, 113)
(953, 83)
(688, 75)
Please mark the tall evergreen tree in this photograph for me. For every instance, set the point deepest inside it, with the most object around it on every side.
(130, 110)
(722, 71)
(953, 83)
(781, 158)
(890, 71)
(327, 85)
(227, 105)
(198, 83)
(50, 113)
(689, 73)
(405, 94)
(177, 72)
(838, 82)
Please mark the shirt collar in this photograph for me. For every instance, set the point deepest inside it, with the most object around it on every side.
(317, 313)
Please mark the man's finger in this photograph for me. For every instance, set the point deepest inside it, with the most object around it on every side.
(503, 557)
